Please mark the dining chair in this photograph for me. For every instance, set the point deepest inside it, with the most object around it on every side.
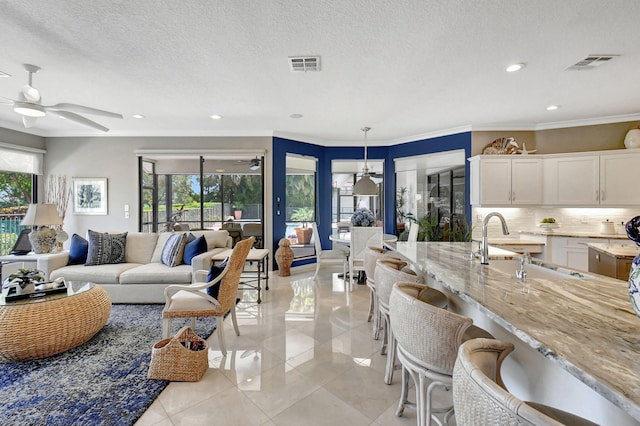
(389, 272)
(371, 256)
(414, 228)
(192, 301)
(428, 338)
(480, 397)
(361, 238)
(331, 257)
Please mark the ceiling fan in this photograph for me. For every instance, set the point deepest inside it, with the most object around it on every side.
(29, 105)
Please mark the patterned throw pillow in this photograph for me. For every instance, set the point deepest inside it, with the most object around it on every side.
(105, 248)
(173, 249)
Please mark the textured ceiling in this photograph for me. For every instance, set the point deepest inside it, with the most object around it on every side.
(405, 68)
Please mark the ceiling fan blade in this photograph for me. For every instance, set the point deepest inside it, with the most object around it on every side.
(82, 110)
(29, 121)
(6, 101)
(79, 119)
(30, 93)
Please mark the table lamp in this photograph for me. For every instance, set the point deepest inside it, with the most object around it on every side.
(39, 217)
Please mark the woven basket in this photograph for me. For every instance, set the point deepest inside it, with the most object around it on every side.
(170, 360)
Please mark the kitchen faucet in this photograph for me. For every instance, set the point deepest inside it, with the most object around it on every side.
(484, 244)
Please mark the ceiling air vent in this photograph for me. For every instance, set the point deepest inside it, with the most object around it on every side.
(304, 63)
(591, 62)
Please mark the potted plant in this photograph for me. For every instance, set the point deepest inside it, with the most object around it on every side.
(401, 216)
(363, 217)
(237, 211)
(24, 280)
(304, 215)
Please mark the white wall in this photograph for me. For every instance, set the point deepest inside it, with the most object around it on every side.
(115, 159)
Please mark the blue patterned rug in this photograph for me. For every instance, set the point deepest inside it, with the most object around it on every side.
(102, 382)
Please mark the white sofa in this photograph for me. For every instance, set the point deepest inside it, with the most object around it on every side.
(142, 278)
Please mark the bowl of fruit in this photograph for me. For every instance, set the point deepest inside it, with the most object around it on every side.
(548, 224)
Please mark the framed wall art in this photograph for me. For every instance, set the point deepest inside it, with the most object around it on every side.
(90, 196)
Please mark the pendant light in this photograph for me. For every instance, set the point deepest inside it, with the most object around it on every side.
(365, 186)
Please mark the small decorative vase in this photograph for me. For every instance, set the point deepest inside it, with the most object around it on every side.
(28, 289)
(284, 257)
(634, 275)
(632, 139)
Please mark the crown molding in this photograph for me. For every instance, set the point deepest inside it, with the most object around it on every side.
(588, 122)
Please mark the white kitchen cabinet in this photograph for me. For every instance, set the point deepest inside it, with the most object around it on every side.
(592, 180)
(619, 175)
(571, 180)
(503, 180)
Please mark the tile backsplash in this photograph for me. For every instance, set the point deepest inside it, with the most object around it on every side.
(570, 219)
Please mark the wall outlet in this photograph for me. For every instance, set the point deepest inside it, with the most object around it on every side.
(584, 219)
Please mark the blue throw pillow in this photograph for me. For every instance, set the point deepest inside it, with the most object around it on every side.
(214, 272)
(78, 250)
(194, 248)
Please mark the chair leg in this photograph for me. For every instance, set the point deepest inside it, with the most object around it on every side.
(234, 320)
(351, 273)
(166, 328)
(385, 332)
(423, 402)
(220, 330)
(404, 393)
(376, 317)
(193, 323)
(371, 299)
(317, 269)
(391, 356)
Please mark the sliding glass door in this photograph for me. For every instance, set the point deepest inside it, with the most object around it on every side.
(202, 192)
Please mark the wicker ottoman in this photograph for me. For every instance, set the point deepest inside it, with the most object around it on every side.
(38, 328)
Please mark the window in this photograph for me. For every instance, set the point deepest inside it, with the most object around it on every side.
(19, 168)
(300, 193)
(345, 174)
(430, 189)
(204, 192)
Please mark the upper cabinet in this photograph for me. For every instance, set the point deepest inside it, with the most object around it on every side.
(506, 180)
(571, 181)
(606, 178)
(619, 176)
(592, 180)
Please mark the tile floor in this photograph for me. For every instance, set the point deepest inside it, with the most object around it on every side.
(304, 356)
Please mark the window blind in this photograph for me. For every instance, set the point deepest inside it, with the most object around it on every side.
(21, 159)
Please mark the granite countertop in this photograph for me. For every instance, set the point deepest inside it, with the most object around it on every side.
(575, 234)
(585, 325)
(617, 250)
(512, 242)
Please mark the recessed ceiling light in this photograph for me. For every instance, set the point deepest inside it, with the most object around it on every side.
(216, 116)
(296, 116)
(138, 116)
(4, 74)
(515, 67)
(219, 170)
(553, 107)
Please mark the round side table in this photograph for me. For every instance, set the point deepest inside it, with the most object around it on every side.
(44, 326)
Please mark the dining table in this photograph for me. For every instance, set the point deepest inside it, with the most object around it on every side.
(345, 238)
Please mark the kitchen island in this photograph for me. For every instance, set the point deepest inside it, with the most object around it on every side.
(583, 326)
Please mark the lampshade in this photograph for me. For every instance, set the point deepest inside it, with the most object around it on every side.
(42, 215)
(365, 186)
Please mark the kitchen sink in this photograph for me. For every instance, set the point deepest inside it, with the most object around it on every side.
(536, 271)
